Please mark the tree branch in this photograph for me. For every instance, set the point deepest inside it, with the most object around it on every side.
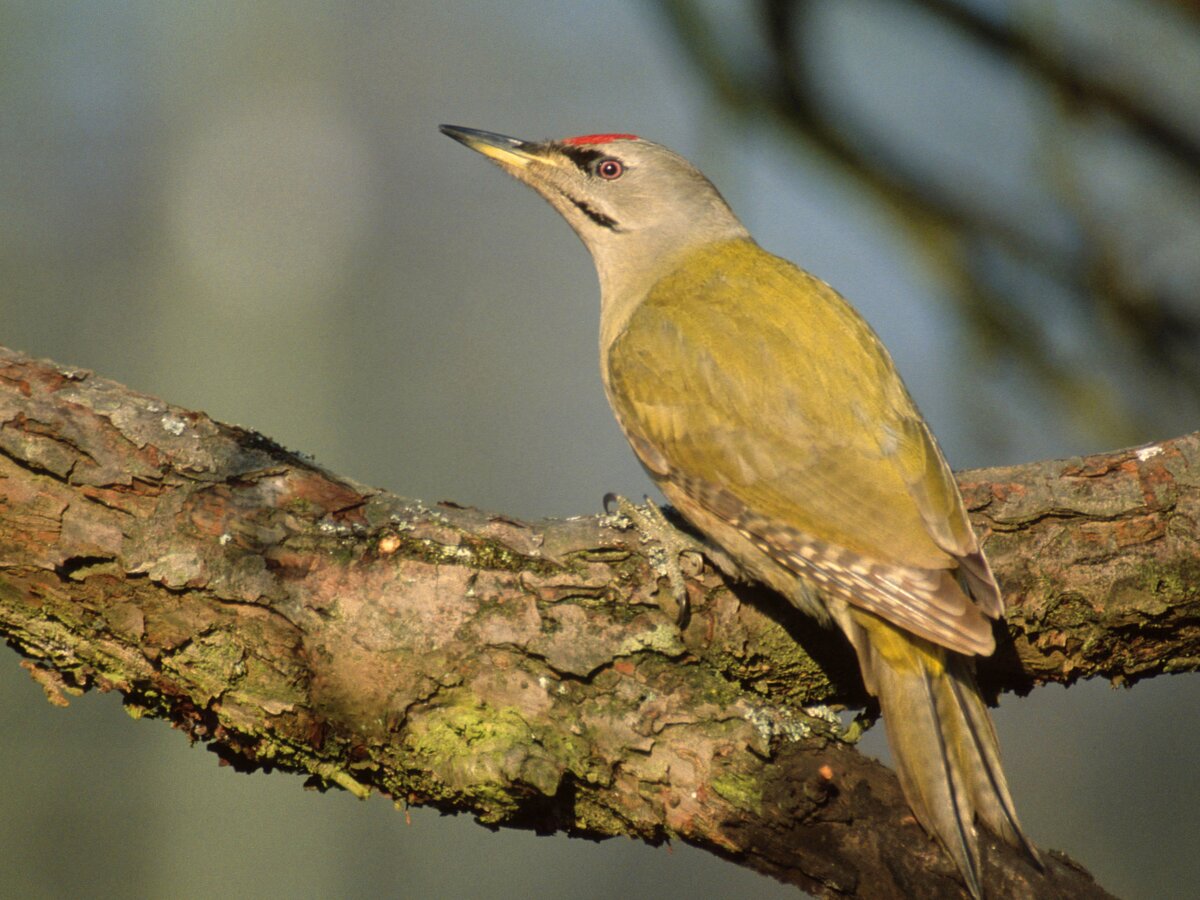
(525, 672)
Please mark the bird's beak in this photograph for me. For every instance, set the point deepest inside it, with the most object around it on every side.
(503, 149)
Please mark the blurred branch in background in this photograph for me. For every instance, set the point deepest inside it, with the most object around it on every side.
(1045, 157)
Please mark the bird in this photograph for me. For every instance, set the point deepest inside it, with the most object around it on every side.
(771, 416)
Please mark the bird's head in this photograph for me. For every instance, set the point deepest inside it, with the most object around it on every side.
(635, 204)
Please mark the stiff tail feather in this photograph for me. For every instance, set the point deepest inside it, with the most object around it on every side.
(943, 743)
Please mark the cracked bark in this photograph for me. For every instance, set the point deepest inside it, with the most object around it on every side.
(525, 672)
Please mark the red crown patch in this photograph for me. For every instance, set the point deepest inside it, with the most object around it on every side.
(600, 138)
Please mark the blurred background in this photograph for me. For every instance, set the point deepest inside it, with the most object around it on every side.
(247, 209)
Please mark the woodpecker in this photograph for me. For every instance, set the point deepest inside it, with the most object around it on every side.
(773, 419)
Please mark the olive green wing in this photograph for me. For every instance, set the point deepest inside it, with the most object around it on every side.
(759, 392)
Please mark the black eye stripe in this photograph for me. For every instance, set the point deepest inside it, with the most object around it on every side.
(588, 159)
(582, 156)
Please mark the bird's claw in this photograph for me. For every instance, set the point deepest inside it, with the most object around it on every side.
(678, 554)
(860, 725)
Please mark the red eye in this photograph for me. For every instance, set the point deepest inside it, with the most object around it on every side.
(610, 169)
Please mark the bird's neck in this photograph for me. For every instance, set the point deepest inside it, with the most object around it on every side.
(628, 276)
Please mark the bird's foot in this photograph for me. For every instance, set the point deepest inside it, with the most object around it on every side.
(851, 733)
(862, 723)
(677, 556)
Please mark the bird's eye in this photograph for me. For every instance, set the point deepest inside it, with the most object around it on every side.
(610, 169)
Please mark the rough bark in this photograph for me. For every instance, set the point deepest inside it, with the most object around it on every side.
(526, 672)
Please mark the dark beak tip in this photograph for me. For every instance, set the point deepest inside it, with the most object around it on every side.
(468, 135)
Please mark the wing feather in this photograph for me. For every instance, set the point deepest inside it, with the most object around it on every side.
(786, 417)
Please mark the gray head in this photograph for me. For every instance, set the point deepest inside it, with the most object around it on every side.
(636, 205)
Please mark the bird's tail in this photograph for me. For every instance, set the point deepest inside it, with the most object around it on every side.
(943, 744)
